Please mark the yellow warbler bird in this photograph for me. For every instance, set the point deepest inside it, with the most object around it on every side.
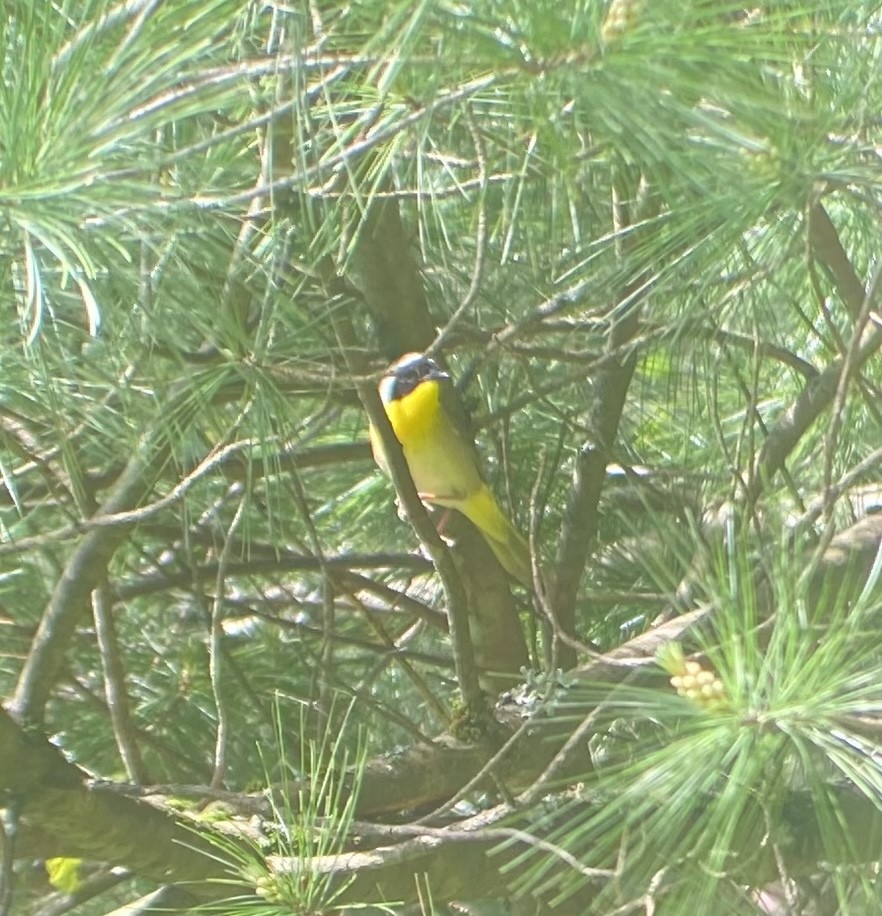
(417, 396)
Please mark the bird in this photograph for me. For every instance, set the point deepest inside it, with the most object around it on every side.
(419, 401)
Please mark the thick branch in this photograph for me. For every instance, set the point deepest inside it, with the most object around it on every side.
(581, 520)
(94, 822)
(454, 590)
(70, 600)
(814, 399)
(825, 242)
(470, 864)
(102, 823)
(453, 869)
(387, 275)
(819, 392)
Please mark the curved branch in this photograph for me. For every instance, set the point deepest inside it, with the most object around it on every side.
(814, 399)
(70, 600)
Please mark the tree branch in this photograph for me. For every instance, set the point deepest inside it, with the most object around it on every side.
(389, 278)
(70, 600)
(610, 388)
(91, 821)
(813, 400)
(102, 822)
(825, 242)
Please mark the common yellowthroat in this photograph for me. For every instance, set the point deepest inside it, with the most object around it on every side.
(417, 396)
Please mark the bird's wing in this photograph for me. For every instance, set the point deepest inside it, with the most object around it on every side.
(461, 425)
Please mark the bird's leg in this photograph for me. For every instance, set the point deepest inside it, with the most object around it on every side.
(442, 522)
(445, 515)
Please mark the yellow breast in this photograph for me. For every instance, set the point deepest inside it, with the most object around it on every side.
(442, 467)
(415, 417)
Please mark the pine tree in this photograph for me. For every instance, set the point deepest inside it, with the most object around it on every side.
(642, 237)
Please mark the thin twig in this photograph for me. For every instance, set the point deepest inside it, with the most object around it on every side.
(835, 491)
(480, 241)
(8, 832)
(395, 654)
(848, 370)
(115, 684)
(112, 519)
(94, 27)
(610, 388)
(561, 759)
(851, 364)
(216, 648)
(286, 561)
(457, 601)
(824, 240)
(812, 401)
(326, 655)
(476, 830)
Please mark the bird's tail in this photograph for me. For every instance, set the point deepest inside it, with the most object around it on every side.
(506, 542)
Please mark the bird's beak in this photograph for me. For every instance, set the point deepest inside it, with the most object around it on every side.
(437, 374)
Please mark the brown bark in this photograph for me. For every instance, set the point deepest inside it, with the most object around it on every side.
(386, 273)
(70, 601)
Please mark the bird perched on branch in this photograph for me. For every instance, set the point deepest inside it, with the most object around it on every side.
(418, 398)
